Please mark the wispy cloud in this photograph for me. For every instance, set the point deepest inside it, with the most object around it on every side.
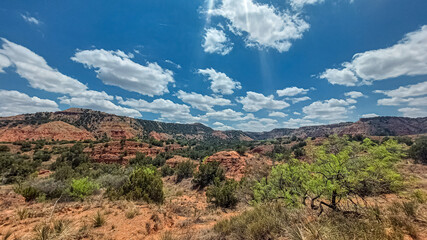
(30, 19)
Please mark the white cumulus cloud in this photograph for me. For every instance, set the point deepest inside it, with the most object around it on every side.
(40, 75)
(291, 91)
(332, 110)
(264, 25)
(340, 76)
(412, 95)
(297, 4)
(4, 63)
(168, 110)
(353, 94)
(221, 126)
(413, 112)
(254, 102)
(14, 103)
(277, 114)
(300, 99)
(35, 69)
(407, 91)
(257, 125)
(220, 82)
(406, 58)
(298, 122)
(202, 102)
(215, 41)
(100, 101)
(228, 115)
(117, 69)
(369, 115)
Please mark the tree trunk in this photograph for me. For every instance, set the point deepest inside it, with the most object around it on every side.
(334, 200)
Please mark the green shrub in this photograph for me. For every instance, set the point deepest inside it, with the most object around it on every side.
(42, 188)
(4, 148)
(155, 142)
(184, 170)
(42, 156)
(263, 222)
(74, 157)
(405, 139)
(288, 182)
(160, 159)
(299, 152)
(145, 184)
(25, 146)
(341, 170)
(167, 171)
(207, 174)
(63, 173)
(83, 187)
(222, 194)
(241, 149)
(141, 160)
(418, 151)
(112, 181)
(39, 144)
(16, 168)
(28, 192)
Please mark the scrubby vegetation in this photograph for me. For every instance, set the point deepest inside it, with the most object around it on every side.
(167, 171)
(207, 174)
(4, 148)
(321, 188)
(222, 194)
(83, 187)
(340, 170)
(418, 151)
(145, 184)
(184, 170)
(276, 221)
(16, 168)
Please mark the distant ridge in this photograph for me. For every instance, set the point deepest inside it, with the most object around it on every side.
(80, 124)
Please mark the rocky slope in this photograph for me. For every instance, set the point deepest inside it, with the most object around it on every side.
(97, 125)
(378, 126)
(56, 130)
(233, 163)
(80, 124)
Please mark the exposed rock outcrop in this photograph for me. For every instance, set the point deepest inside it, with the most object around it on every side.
(117, 152)
(56, 130)
(175, 160)
(233, 163)
(159, 136)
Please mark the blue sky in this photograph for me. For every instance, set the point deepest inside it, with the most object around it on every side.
(230, 64)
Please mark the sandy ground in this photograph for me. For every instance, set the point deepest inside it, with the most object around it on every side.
(185, 214)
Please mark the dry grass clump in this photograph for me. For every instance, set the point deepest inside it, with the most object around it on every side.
(98, 219)
(132, 212)
(7, 234)
(57, 229)
(274, 220)
(167, 236)
(24, 213)
(420, 196)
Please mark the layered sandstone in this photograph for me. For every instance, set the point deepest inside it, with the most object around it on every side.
(56, 130)
(233, 163)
